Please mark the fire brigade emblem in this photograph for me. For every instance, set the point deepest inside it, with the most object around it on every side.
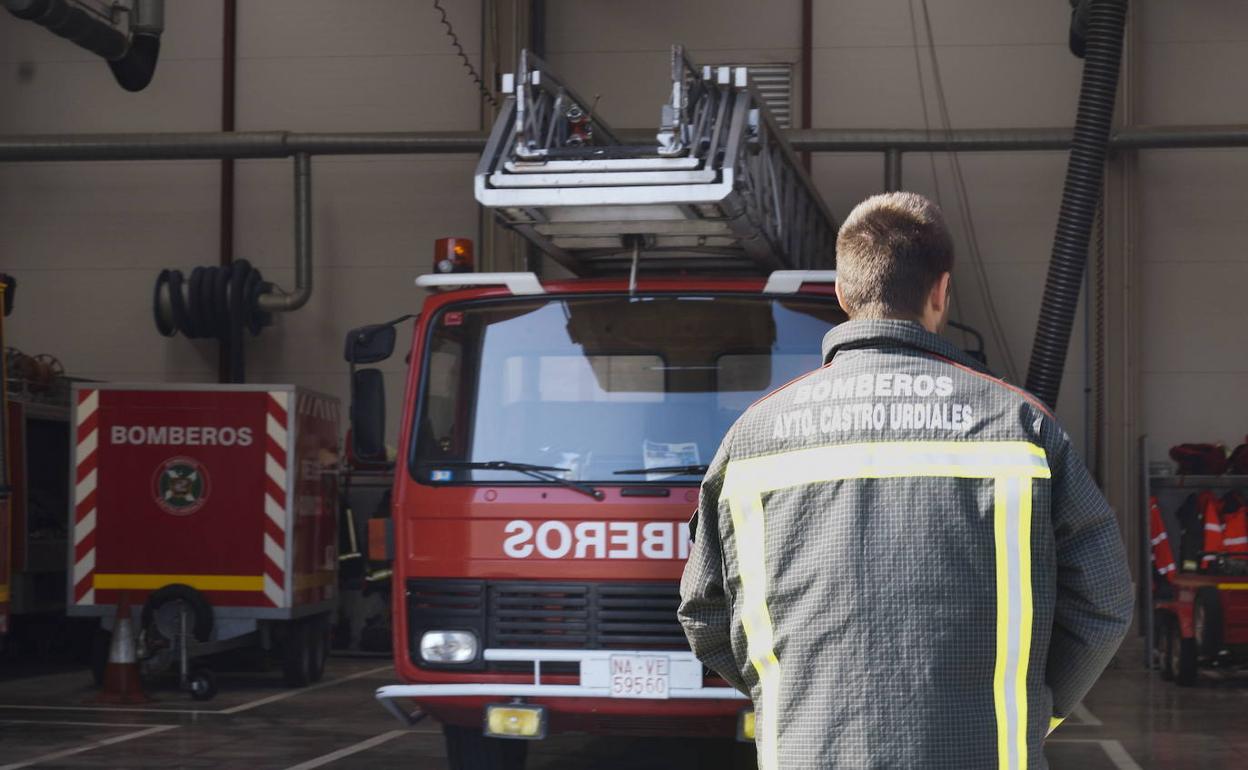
(181, 486)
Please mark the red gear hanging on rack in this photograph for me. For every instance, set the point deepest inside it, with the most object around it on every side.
(1235, 523)
(1211, 511)
(1163, 557)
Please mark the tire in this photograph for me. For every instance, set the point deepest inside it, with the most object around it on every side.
(726, 754)
(319, 631)
(468, 749)
(297, 654)
(1182, 657)
(101, 644)
(203, 685)
(1207, 619)
(1165, 643)
(201, 610)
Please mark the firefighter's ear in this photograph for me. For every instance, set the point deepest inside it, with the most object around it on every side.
(936, 307)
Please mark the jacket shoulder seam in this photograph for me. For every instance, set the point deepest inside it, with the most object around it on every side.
(1029, 398)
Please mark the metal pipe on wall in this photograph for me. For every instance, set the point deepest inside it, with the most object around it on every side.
(283, 302)
(285, 144)
(225, 234)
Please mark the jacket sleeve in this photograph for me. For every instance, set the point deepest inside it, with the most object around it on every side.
(1094, 593)
(705, 611)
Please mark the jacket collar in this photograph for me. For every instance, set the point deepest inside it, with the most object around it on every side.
(887, 333)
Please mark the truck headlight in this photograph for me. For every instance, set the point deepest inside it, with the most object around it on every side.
(448, 646)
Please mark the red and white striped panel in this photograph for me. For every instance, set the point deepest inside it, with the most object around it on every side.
(276, 526)
(87, 454)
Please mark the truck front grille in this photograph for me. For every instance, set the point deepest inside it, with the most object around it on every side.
(540, 615)
(591, 616)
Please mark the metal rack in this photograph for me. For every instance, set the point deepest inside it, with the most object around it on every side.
(719, 188)
(1148, 483)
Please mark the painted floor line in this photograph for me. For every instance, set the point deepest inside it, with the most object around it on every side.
(75, 724)
(88, 747)
(292, 693)
(1116, 752)
(1085, 716)
(347, 751)
(199, 712)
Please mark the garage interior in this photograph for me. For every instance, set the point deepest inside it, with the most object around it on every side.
(313, 158)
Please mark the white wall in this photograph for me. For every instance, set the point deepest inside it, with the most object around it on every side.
(86, 240)
(1193, 227)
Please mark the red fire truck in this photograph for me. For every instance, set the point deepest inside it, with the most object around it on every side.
(555, 432)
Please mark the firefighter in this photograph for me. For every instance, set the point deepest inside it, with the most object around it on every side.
(901, 559)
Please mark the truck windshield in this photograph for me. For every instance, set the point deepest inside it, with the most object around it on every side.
(600, 385)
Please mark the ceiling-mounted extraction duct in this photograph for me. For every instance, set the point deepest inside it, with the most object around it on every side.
(126, 36)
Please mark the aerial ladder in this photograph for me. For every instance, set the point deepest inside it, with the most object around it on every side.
(719, 190)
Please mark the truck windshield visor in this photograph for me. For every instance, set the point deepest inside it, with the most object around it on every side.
(597, 385)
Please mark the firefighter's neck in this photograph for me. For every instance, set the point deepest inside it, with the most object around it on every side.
(936, 305)
(935, 308)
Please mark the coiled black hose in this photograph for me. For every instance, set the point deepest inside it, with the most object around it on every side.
(214, 303)
(1080, 196)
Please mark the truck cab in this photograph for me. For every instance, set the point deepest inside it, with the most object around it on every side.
(553, 440)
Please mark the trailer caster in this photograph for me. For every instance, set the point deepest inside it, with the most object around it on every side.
(202, 685)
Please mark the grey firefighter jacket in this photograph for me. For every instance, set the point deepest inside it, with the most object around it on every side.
(903, 562)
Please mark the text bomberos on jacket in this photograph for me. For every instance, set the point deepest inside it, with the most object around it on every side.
(919, 402)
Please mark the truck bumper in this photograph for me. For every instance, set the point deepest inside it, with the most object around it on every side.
(686, 681)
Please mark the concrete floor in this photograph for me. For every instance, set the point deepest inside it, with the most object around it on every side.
(1130, 721)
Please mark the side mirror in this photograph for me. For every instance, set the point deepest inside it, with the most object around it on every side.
(369, 344)
(368, 415)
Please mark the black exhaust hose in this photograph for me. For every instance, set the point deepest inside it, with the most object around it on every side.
(134, 71)
(1084, 176)
(214, 303)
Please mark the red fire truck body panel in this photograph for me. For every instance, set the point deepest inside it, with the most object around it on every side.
(544, 534)
(216, 487)
(548, 533)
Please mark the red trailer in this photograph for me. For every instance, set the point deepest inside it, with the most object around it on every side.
(214, 508)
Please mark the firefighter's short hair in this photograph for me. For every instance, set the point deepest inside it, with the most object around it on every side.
(889, 252)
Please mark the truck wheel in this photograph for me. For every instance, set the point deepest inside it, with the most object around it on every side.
(726, 754)
(1207, 623)
(297, 652)
(1182, 656)
(467, 748)
(1165, 643)
(319, 640)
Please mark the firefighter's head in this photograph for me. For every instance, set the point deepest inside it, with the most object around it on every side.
(894, 258)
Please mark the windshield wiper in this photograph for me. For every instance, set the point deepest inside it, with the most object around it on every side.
(673, 469)
(539, 472)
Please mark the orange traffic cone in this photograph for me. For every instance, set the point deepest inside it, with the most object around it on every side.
(121, 675)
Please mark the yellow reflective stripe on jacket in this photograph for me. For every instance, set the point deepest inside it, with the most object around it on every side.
(1012, 465)
(958, 459)
(1012, 534)
(748, 524)
(1054, 722)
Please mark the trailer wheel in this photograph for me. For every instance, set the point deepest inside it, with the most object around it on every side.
(297, 654)
(202, 684)
(467, 748)
(1182, 656)
(201, 610)
(319, 631)
(1207, 623)
(101, 644)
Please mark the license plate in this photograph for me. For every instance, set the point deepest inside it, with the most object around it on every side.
(641, 676)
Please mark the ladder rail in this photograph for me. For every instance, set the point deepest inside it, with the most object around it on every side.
(720, 189)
